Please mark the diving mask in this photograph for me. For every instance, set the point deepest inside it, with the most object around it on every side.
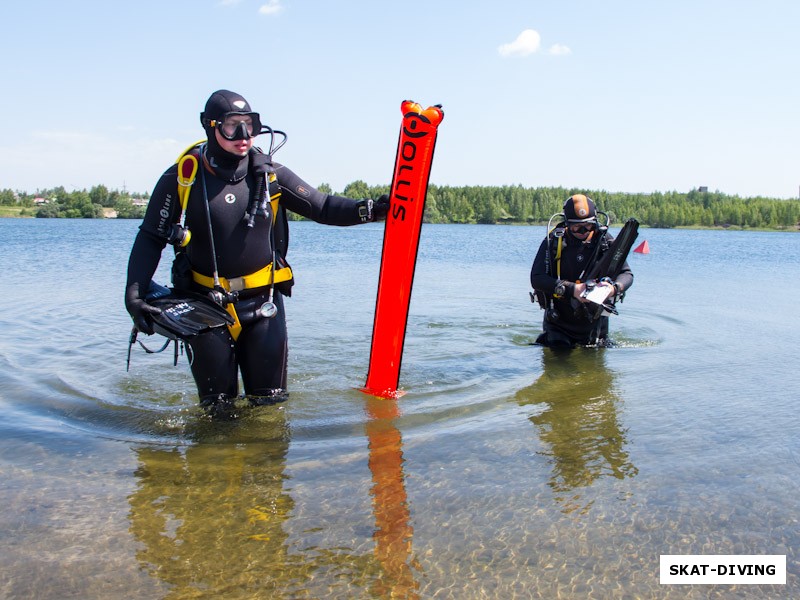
(237, 125)
(581, 228)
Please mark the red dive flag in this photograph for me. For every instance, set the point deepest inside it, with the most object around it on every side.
(643, 248)
(412, 169)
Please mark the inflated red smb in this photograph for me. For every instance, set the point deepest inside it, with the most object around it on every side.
(400, 243)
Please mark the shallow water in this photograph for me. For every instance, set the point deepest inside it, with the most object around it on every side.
(504, 470)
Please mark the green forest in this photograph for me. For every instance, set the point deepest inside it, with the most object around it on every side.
(81, 204)
(474, 204)
(518, 204)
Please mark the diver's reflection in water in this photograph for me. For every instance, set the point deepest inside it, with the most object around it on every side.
(579, 424)
(393, 532)
(210, 517)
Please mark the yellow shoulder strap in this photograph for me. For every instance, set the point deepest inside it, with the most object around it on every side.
(189, 149)
(187, 171)
(558, 257)
(274, 196)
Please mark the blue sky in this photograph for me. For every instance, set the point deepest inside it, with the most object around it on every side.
(624, 95)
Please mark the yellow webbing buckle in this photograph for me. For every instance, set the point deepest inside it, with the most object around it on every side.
(260, 278)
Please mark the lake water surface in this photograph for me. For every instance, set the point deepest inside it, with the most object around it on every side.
(503, 472)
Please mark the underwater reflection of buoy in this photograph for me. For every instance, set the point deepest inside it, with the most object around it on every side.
(393, 533)
(643, 248)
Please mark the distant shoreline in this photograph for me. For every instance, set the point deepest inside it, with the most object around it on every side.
(11, 212)
(505, 205)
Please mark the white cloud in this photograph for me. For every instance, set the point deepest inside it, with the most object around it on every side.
(526, 43)
(273, 7)
(559, 50)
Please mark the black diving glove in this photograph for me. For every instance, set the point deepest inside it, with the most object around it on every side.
(380, 208)
(370, 210)
(139, 310)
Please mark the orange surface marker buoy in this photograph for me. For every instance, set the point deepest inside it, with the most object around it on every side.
(400, 243)
(643, 248)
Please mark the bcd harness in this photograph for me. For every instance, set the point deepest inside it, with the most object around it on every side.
(558, 232)
(601, 246)
(188, 165)
(605, 263)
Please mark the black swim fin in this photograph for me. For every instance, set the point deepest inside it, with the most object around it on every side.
(610, 264)
(184, 315)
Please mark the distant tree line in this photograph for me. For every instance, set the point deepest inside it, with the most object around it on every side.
(518, 204)
(80, 204)
(484, 204)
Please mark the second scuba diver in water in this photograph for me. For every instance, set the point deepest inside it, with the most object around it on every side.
(560, 275)
(232, 247)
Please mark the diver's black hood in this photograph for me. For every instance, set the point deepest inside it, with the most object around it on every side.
(228, 166)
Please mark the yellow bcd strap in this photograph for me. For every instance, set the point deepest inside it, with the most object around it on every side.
(558, 257)
(188, 165)
(274, 196)
(187, 171)
(261, 278)
(234, 328)
(190, 148)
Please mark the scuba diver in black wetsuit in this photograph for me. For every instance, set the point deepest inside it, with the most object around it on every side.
(560, 275)
(232, 247)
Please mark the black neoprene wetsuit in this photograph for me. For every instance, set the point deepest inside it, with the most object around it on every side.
(261, 348)
(568, 322)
